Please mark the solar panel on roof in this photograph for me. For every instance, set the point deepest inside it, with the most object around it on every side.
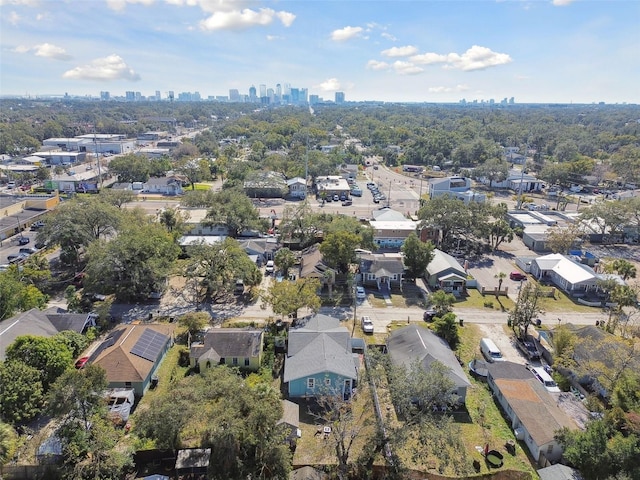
(149, 345)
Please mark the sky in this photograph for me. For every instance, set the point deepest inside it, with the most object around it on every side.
(536, 51)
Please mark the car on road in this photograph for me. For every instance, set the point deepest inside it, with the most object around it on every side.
(269, 267)
(23, 240)
(428, 314)
(81, 362)
(37, 225)
(347, 203)
(367, 324)
(356, 192)
(517, 276)
(361, 294)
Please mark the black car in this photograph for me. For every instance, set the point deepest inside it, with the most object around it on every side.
(428, 314)
(23, 240)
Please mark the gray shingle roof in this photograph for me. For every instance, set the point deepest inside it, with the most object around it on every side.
(228, 342)
(319, 345)
(442, 262)
(418, 343)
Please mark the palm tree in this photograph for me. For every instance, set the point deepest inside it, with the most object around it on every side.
(7, 443)
(442, 301)
(500, 276)
(624, 268)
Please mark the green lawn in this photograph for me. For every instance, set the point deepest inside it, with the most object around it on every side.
(475, 299)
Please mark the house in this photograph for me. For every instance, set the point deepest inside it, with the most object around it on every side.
(131, 355)
(319, 360)
(297, 187)
(163, 186)
(290, 419)
(312, 266)
(384, 270)
(42, 323)
(559, 472)
(237, 347)
(266, 185)
(415, 343)
(446, 273)
(534, 414)
(564, 272)
(264, 248)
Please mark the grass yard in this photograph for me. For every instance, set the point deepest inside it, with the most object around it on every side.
(475, 299)
(563, 303)
(410, 296)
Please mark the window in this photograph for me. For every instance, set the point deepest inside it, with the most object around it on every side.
(222, 360)
(235, 360)
(311, 383)
(327, 382)
(127, 384)
(246, 362)
(549, 449)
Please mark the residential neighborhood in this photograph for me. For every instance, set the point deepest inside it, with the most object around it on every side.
(326, 309)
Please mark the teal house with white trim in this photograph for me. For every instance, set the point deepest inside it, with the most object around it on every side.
(319, 359)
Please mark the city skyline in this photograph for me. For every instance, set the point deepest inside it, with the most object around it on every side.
(557, 51)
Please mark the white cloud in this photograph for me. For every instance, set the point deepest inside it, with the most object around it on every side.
(405, 51)
(562, 3)
(112, 67)
(119, 5)
(51, 51)
(241, 19)
(477, 58)
(13, 18)
(46, 50)
(377, 65)
(273, 38)
(457, 88)
(406, 68)
(330, 85)
(428, 58)
(28, 3)
(345, 33)
(388, 36)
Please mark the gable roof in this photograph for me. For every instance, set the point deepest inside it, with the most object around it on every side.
(319, 344)
(290, 414)
(566, 268)
(388, 215)
(40, 323)
(531, 403)
(114, 353)
(311, 264)
(411, 343)
(559, 472)
(441, 262)
(381, 264)
(228, 342)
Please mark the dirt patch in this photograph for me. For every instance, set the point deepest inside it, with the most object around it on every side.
(503, 340)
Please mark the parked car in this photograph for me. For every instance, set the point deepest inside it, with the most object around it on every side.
(347, 203)
(17, 257)
(367, 324)
(37, 225)
(546, 380)
(28, 250)
(517, 276)
(23, 240)
(81, 362)
(356, 192)
(336, 198)
(528, 349)
(269, 267)
(361, 294)
(239, 288)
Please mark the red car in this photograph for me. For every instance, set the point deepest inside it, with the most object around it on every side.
(82, 362)
(517, 276)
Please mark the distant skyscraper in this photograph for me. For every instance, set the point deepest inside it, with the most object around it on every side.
(263, 90)
(130, 96)
(313, 99)
(234, 95)
(105, 96)
(339, 97)
(253, 96)
(138, 96)
(295, 96)
(158, 97)
(278, 93)
(171, 95)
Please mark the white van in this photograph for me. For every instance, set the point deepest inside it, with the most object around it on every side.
(546, 380)
(490, 351)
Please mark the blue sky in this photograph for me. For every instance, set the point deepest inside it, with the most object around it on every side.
(558, 51)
